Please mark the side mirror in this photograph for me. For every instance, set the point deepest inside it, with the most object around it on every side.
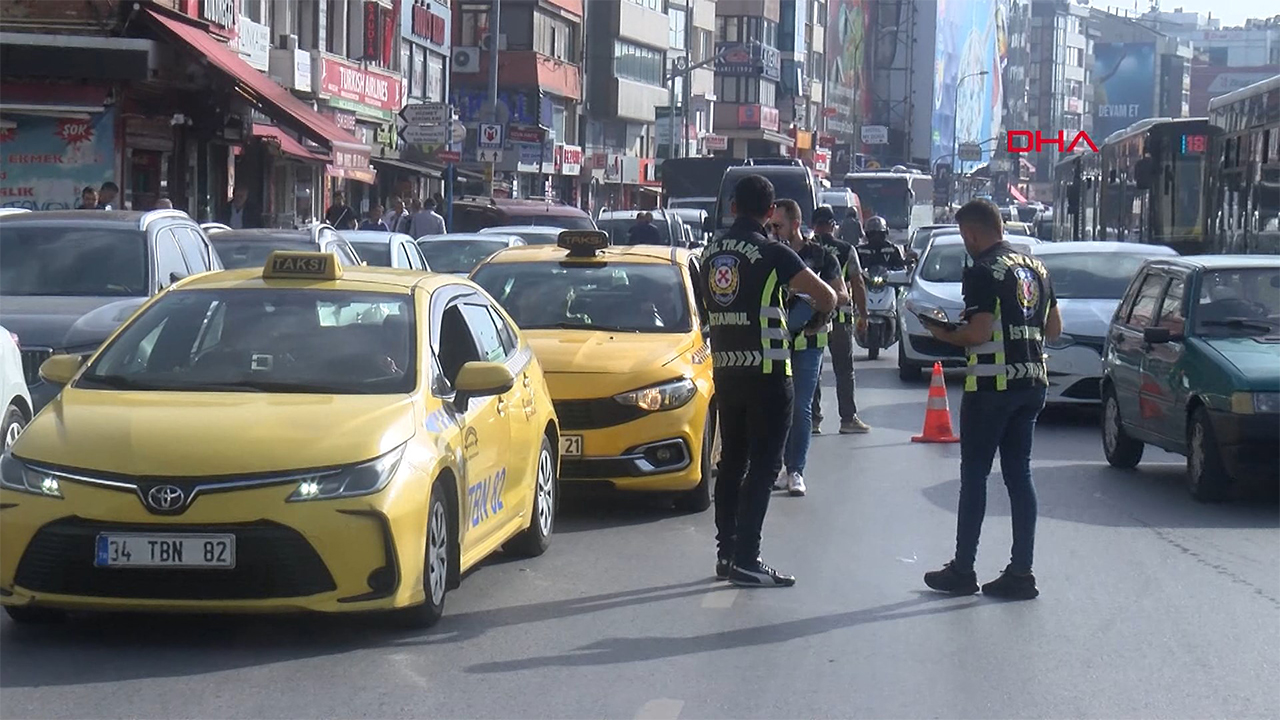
(899, 278)
(59, 369)
(1157, 335)
(481, 379)
(175, 277)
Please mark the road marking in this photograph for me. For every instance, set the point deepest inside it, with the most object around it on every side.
(660, 709)
(405, 663)
(720, 599)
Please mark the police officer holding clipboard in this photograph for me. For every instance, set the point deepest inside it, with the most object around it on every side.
(744, 278)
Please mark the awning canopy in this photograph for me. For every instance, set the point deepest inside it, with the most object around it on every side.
(411, 167)
(277, 102)
(288, 145)
(1017, 195)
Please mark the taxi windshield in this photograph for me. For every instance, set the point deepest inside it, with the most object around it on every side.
(458, 256)
(79, 261)
(264, 340)
(624, 297)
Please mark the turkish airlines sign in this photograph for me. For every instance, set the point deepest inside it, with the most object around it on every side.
(357, 84)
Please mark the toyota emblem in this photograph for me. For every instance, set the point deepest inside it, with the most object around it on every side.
(165, 498)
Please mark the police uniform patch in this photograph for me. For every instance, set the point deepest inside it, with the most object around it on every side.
(1028, 290)
(723, 279)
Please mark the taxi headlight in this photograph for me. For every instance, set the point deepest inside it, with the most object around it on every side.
(15, 475)
(363, 479)
(1245, 403)
(667, 396)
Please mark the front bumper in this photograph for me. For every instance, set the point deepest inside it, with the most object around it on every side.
(330, 556)
(1075, 375)
(655, 452)
(1247, 443)
(921, 348)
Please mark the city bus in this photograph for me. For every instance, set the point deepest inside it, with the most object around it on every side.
(1154, 177)
(1246, 190)
(903, 197)
(1075, 192)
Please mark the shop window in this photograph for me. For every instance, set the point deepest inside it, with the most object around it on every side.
(474, 20)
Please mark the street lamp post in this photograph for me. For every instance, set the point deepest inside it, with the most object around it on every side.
(955, 120)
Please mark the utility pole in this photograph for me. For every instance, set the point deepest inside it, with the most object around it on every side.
(495, 30)
(688, 89)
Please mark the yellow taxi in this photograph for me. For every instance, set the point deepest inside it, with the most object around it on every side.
(618, 332)
(303, 436)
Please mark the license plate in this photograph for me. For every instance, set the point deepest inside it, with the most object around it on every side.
(165, 550)
(571, 445)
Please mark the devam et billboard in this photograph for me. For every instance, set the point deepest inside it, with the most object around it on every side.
(1124, 85)
(45, 162)
(969, 35)
(849, 93)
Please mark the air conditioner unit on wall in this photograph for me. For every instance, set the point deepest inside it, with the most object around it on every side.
(466, 60)
(486, 42)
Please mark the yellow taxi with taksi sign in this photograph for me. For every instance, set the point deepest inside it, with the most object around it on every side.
(618, 332)
(299, 437)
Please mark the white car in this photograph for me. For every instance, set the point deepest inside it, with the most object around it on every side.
(618, 224)
(17, 410)
(386, 249)
(935, 290)
(460, 253)
(1089, 279)
(531, 234)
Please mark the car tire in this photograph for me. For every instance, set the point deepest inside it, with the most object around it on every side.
(536, 538)
(27, 615)
(907, 372)
(1207, 477)
(699, 499)
(1122, 451)
(442, 533)
(14, 421)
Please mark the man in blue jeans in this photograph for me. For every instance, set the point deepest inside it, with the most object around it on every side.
(1010, 310)
(807, 343)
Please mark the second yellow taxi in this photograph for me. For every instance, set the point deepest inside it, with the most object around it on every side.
(297, 437)
(618, 333)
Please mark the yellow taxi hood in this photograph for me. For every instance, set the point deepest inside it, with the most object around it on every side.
(597, 351)
(200, 434)
(588, 364)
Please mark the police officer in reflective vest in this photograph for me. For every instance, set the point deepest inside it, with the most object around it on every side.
(840, 341)
(744, 274)
(1010, 311)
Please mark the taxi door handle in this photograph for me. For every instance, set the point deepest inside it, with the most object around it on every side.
(502, 406)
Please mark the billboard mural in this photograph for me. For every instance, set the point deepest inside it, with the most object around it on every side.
(1124, 83)
(45, 162)
(1210, 81)
(849, 94)
(970, 35)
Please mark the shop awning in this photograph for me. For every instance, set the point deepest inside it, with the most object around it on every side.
(410, 167)
(287, 144)
(367, 176)
(1017, 195)
(52, 100)
(757, 134)
(277, 102)
(75, 57)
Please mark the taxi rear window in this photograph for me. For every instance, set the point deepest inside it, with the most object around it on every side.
(627, 297)
(264, 340)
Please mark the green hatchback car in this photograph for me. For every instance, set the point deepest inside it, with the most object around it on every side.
(1192, 365)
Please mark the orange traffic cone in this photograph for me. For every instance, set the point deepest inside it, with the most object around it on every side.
(937, 416)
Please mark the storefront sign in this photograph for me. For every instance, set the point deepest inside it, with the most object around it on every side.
(48, 161)
(428, 25)
(613, 168)
(524, 134)
(222, 13)
(717, 142)
(372, 90)
(822, 161)
(253, 42)
(372, 33)
(529, 155)
(341, 118)
(570, 160)
(758, 116)
(350, 159)
(750, 60)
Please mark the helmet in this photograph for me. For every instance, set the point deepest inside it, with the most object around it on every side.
(823, 214)
(876, 228)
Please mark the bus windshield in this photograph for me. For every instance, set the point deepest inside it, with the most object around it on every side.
(888, 197)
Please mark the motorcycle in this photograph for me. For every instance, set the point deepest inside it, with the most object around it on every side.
(881, 330)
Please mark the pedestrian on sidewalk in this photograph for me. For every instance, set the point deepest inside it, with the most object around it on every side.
(426, 221)
(744, 275)
(374, 221)
(340, 215)
(840, 343)
(1010, 310)
(808, 341)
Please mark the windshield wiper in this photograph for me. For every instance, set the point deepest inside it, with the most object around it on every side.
(262, 386)
(593, 326)
(1239, 324)
(117, 382)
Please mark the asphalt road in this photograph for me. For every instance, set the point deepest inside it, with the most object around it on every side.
(1151, 606)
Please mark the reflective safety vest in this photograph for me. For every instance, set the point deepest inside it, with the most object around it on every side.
(988, 359)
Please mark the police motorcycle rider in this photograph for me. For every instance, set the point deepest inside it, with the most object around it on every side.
(876, 251)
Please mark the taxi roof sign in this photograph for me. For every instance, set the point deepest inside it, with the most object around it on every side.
(300, 265)
(583, 243)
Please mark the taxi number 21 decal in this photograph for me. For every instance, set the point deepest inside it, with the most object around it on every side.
(485, 497)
